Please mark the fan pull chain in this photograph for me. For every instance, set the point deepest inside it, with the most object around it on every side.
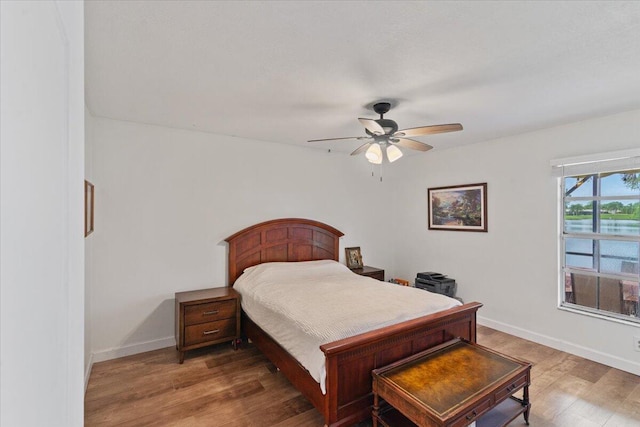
(373, 173)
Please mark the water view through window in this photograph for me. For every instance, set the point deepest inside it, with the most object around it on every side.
(601, 240)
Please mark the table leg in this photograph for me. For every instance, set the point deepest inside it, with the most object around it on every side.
(376, 408)
(525, 401)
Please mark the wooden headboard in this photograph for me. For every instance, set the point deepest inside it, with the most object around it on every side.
(286, 239)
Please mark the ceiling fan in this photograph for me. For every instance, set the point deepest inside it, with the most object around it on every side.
(384, 133)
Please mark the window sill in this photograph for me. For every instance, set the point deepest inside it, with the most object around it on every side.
(625, 320)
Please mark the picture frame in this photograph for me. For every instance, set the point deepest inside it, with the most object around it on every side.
(88, 207)
(353, 257)
(458, 208)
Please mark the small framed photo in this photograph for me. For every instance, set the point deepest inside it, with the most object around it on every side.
(88, 208)
(354, 257)
(458, 208)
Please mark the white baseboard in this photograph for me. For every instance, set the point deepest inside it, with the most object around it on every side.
(128, 350)
(587, 353)
(87, 372)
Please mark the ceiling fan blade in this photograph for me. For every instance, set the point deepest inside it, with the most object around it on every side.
(372, 126)
(338, 139)
(410, 143)
(361, 148)
(429, 130)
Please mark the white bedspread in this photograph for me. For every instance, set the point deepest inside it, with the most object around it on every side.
(305, 304)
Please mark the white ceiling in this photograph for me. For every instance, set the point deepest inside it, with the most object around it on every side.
(292, 71)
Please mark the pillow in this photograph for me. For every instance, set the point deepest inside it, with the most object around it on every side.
(287, 271)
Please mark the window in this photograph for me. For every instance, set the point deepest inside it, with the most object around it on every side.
(600, 238)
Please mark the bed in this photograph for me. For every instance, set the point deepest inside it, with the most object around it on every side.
(348, 362)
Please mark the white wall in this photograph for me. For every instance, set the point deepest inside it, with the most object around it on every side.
(166, 199)
(512, 269)
(41, 263)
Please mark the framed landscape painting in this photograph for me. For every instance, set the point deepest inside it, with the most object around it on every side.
(458, 208)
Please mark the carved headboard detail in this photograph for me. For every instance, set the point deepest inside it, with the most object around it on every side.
(286, 239)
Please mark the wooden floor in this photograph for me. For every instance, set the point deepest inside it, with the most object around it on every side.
(220, 387)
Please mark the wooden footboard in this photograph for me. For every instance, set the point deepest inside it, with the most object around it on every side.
(349, 362)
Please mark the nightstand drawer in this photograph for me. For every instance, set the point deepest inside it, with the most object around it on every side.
(206, 317)
(200, 313)
(211, 331)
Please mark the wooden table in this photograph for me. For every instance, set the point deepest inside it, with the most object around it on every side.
(454, 384)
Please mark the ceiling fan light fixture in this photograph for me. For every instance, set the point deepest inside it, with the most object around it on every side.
(393, 153)
(374, 154)
(384, 133)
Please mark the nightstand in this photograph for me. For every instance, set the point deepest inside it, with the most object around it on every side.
(206, 317)
(376, 273)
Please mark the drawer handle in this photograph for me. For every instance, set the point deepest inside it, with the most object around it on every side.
(472, 415)
(209, 313)
(215, 331)
(511, 387)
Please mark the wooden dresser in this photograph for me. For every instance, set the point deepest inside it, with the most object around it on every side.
(206, 317)
(376, 273)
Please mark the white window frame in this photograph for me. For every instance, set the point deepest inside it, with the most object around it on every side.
(591, 164)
